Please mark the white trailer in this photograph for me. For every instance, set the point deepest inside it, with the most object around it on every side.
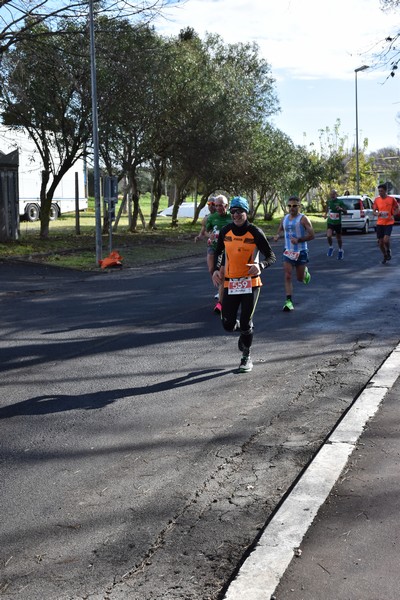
(30, 174)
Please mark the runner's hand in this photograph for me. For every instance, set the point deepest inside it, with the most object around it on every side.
(254, 269)
(217, 279)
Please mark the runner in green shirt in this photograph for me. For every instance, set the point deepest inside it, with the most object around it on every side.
(215, 223)
(334, 210)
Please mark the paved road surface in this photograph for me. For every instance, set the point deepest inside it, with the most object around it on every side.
(135, 461)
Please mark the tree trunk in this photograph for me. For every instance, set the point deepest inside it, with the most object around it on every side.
(141, 215)
(158, 174)
(121, 209)
(179, 195)
(201, 205)
(135, 201)
(44, 206)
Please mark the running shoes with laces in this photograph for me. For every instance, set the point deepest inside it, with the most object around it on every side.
(288, 305)
(330, 251)
(218, 308)
(246, 363)
(340, 254)
(307, 276)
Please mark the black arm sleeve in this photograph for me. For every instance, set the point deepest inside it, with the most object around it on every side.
(220, 247)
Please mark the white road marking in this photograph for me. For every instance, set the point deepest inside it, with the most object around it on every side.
(265, 566)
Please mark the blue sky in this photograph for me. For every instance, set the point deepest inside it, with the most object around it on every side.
(313, 47)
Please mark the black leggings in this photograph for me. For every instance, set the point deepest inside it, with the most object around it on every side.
(230, 307)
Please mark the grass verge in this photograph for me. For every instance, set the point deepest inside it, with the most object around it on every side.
(65, 248)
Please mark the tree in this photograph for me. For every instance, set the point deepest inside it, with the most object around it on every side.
(127, 85)
(44, 90)
(52, 33)
(267, 167)
(20, 18)
(225, 93)
(386, 163)
(336, 162)
(389, 55)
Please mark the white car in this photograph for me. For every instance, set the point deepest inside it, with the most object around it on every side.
(360, 214)
(186, 210)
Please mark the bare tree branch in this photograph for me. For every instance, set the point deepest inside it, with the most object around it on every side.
(18, 17)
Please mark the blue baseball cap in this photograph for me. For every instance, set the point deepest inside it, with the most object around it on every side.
(240, 202)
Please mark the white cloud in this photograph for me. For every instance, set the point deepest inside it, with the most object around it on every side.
(313, 47)
(304, 38)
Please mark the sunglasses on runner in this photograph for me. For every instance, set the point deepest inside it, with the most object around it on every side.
(239, 211)
(293, 205)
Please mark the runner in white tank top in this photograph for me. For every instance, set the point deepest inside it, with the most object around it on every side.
(297, 231)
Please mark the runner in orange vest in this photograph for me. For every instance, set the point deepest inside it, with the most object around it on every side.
(385, 207)
(241, 242)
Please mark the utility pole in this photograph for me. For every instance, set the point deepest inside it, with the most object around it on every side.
(96, 168)
(363, 68)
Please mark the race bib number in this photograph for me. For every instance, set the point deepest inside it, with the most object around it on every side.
(384, 214)
(291, 254)
(334, 216)
(240, 286)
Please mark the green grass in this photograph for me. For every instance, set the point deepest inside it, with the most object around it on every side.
(65, 248)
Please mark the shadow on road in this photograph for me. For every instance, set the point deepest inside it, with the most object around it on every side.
(47, 404)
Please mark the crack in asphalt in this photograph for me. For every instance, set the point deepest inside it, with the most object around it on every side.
(231, 489)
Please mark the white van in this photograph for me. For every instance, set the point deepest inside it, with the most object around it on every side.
(30, 174)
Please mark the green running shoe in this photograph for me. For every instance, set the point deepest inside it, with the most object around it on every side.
(307, 276)
(288, 305)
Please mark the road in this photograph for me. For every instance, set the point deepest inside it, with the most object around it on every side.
(136, 463)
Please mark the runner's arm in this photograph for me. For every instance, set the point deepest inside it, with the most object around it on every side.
(202, 232)
(219, 251)
(217, 275)
(310, 235)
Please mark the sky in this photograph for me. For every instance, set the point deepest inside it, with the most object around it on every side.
(313, 48)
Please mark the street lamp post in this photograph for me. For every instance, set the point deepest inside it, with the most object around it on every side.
(96, 167)
(363, 68)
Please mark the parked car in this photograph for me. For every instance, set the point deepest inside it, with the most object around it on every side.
(396, 197)
(360, 214)
(186, 209)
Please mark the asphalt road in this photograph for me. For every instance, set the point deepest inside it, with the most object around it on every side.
(136, 463)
